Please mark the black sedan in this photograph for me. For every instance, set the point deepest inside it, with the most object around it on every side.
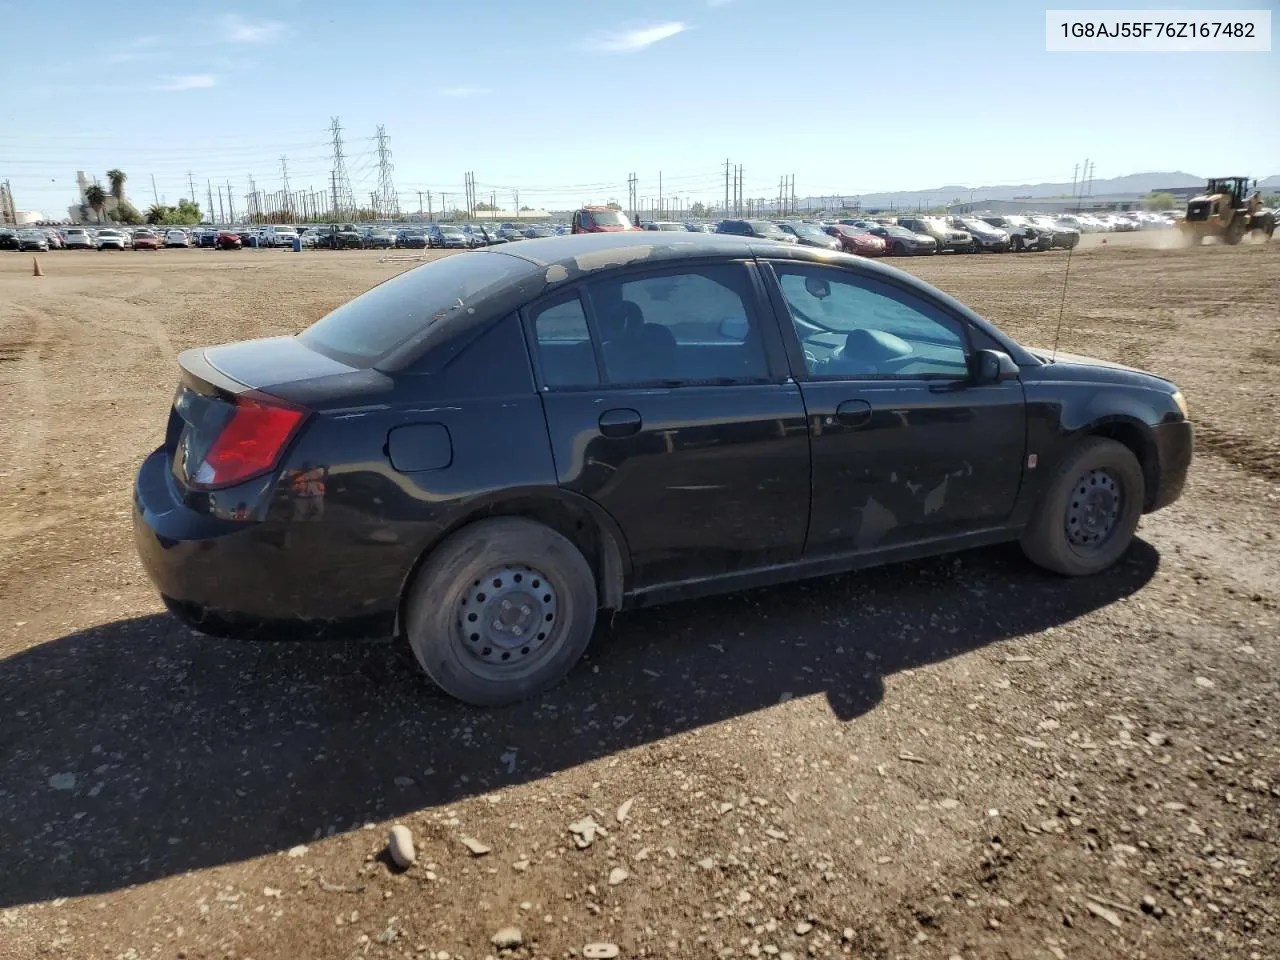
(33, 240)
(381, 240)
(483, 452)
(9, 240)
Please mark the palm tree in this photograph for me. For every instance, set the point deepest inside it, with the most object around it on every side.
(96, 198)
(117, 178)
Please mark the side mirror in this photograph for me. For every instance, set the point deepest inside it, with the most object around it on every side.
(991, 366)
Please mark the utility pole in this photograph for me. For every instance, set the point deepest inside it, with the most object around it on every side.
(284, 185)
(419, 203)
(222, 213)
(430, 212)
(208, 184)
(660, 213)
(191, 182)
(231, 207)
(333, 186)
(726, 187)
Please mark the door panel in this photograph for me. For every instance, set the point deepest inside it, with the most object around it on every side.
(666, 404)
(919, 463)
(905, 447)
(714, 479)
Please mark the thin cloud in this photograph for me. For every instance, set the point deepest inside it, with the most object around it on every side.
(189, 81)
(462, 93)
(637, 38)
(139, 48)
(236, 29)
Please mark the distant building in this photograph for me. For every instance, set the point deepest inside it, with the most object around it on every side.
(23, 217)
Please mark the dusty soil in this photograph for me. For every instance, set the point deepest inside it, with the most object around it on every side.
(960, 757)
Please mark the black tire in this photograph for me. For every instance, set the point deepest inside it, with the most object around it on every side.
(1016, 244)
(897, 250)
(470, 665)
(1235, 232)
(1057, 538)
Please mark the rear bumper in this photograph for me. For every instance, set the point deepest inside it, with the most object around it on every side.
(1174, 445)
(271, 579)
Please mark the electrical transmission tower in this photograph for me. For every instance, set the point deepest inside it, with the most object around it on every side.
(343, 201)
(388, 204)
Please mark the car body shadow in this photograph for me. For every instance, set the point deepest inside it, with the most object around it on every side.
(138, 749)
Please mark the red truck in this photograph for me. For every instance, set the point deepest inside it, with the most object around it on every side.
(600, 220)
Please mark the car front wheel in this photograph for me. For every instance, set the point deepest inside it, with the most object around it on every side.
(501, 611)
(1088, 514)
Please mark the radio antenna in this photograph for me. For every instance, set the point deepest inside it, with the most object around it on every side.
(1062, 306)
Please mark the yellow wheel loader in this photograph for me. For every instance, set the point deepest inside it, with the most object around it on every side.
(1227, 210)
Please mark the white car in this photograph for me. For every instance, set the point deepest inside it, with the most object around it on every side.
(279, 236)
(113, 240)
(77, 238)
(176, 238)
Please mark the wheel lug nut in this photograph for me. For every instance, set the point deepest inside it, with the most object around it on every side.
(497, 624)
(506, 604)
(517, 631)
(524, 610)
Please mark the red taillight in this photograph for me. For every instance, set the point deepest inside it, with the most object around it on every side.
(251, 442)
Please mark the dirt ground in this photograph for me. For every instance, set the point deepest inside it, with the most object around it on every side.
(956, 758)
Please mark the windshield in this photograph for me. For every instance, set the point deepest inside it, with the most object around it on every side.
(372, 325)
(608, 218)
(672, 226)
(450, 230)
(976, 226)
(806, 230)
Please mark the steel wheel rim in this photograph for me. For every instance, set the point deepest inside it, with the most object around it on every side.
(507, 620)
(1093, 510)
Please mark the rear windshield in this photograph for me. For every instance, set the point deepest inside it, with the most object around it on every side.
(372, 325)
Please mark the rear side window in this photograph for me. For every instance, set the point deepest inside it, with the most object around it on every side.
(690, 326)
(444, 291)
(565, 355)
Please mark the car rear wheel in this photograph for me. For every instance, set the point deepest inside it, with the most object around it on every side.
(1088, 514)
(501, 610)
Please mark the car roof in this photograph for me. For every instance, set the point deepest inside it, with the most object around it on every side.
(588, 252)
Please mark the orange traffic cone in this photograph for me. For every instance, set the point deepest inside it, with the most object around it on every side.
(35, 268)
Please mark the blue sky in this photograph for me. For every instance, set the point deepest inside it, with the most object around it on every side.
(563, 99)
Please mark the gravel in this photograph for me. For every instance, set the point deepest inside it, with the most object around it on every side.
(909, 785)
